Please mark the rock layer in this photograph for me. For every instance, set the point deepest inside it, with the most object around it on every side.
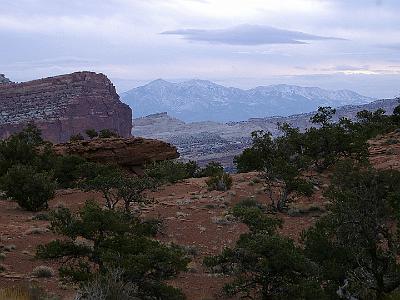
(64, 105)
(130, 153)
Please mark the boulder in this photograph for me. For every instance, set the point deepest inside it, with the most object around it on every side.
(129, 153)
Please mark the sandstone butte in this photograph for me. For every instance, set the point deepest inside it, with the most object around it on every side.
(63, 105)
(130, 153)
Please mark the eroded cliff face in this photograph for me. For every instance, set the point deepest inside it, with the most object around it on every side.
(64, 105)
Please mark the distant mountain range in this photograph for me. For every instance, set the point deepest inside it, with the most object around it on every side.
(200, 100)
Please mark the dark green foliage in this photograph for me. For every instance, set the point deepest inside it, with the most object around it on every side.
(31, 190)
(116, 240)
(170, 171)
(321, 146)
(131, 189)
(396, 115)
(219, 182)
(76, 137)
(283, 159)
(266, 265)
(251, 159)
(91, 133)
(192, 169)
(357, 242)
(211, 169)
(107, 133)
(282, 162)
(20, 148)
(68, 170)
(323, 116)
(118, 187)
(352, 251)
(329, 143)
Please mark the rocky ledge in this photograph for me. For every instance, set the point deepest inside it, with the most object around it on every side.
(129, 153)
(64, 105)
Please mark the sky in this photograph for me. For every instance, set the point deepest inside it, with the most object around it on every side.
(333, 44)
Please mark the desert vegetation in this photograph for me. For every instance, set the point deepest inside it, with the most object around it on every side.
(92, 133)
(110, 249)
(351, 252)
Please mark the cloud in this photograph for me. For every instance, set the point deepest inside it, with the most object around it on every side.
(351, 68)
(247, 35)
(391, 46)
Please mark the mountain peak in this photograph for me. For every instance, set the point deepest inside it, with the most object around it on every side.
(198, 82)
(159, 82)
(203, 100)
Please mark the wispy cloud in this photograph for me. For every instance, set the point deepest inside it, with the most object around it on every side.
(248, 35)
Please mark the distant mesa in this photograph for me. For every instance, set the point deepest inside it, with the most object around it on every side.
(201, 100)
(64, 105)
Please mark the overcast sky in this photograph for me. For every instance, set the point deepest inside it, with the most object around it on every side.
(334, 44)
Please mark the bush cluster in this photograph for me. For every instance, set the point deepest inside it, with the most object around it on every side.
(219, 182)
(30, 171)
(92, 133)
(113, 240)
(283, 159)
(350, 253)
(172, 171)
(30, 189)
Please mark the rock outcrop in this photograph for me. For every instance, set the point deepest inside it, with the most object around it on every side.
(64, 105)
(130, 153)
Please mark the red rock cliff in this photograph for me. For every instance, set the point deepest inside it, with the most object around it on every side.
(64, 105)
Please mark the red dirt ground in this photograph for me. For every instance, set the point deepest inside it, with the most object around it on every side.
(191, 216)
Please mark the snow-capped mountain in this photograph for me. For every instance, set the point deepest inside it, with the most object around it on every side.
(199, 100)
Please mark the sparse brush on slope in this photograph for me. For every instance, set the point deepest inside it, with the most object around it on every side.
(118, 240)
(350, 253)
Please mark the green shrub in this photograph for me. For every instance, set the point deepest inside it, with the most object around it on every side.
(265, 264)
(357, 239)
(20, 148)
(192, 169)
(107, 133)
(168, 171)
(114, 240)
(211, 169)
(91, 133)
(116, 186)
(31, 190)
(43, 272)
(76, 137)
(68, 169)
(220, 182)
